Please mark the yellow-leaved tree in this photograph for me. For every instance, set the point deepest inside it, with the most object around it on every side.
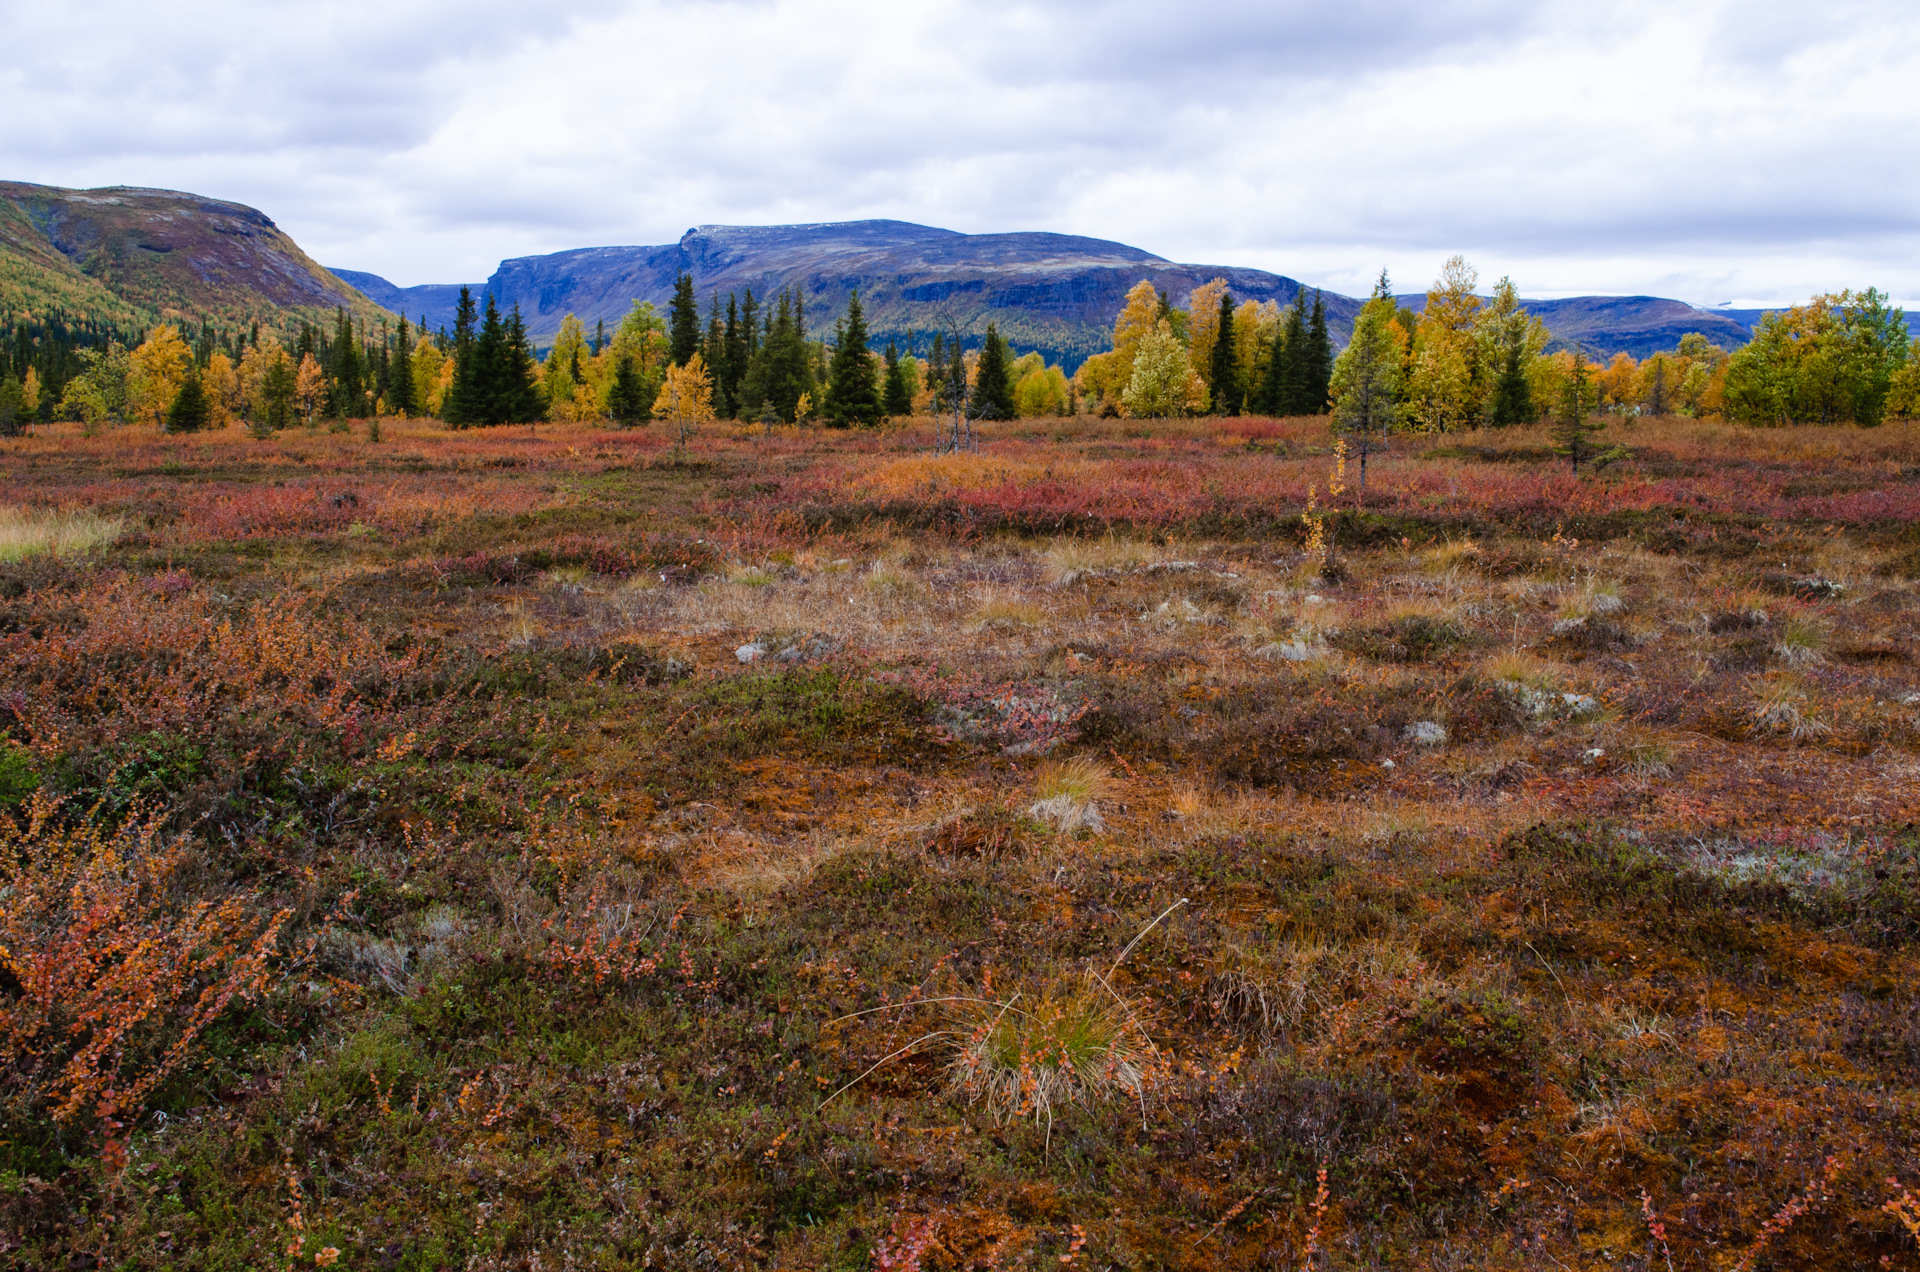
(1447, 383)
(1203, 327)
(1105, 376)
(1256, 325)
(222, 384)
(566, 371)
(1163, 381)
(686, 399)
(159, 368)
(429, 394)
(309, 387)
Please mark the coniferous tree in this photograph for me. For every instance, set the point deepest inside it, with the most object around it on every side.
(462, 406)
(852, 395)
(992, 389)
(520, 398)
(349, 375)
(1512, 394)
(400, 380)
(899, 399)
(683, 322)
(1280, 387)
(626, 397)
(1316, 371)
(489, 366)
(733, 362)
(714, 353)
(1225, 368)
(599, 336)
(191, 411)
(1573, 423)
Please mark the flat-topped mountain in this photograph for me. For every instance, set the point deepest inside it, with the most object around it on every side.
(1057, 293)
(132, 255)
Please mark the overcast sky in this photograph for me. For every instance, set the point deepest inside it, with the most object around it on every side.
(1746, 152)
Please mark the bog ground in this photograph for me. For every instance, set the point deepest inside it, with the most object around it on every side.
(548, 848)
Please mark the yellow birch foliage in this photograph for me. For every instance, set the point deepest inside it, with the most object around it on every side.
(1203, 326)
(309, 386)
(254, 365)
(159, 367)
(565, 370)
(30, 391)
(1447, 383)
(686, 397)
(1107, 375)
(222, 384)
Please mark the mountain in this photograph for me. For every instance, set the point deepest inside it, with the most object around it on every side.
(1056, 293)
(1601, 326)
(133, 256)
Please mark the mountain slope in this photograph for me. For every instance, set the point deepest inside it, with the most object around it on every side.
(134, 255)
(1057, 293)
(1053, 292)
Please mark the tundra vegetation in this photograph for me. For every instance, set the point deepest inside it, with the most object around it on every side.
(1130, 841)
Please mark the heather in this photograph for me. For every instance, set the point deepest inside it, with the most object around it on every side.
(1119, 843)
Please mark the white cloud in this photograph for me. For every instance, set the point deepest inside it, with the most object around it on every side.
(1714, 151)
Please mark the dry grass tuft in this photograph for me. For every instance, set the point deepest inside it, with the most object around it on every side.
(1075, 1043)
(1068, 794)
(28, 532)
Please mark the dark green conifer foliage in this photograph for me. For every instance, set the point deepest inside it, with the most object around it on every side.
(400, 383)
(1280, 387)
(489, 366)
(191, 411)
(733, 363)
(713, 352)
(1573, 423)
(599, 336)
(852, 395)
(1225, 371)
(626, 396)
(462, 406)
(349, 374)
(1316, 371)
(899, 399)
(1512, 395)
(683, 322)
(992, 389)
(520, 397)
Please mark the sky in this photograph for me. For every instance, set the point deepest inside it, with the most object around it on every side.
(1752, 153)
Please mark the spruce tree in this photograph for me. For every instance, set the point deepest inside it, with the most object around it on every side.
(852, 395)
(1512, 395)
(992, 389)
(1280, 387)
(520, 397)
(462, 406)
(1225, 370)
(899, 399)
(490, 366)
(733, 366)
(683, 321)
(1316, 372)
(626, 397)
(191, 411)
(276, 399)
(1573, 423)
(714, 352)
(400, 382)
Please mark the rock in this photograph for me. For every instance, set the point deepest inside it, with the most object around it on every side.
(1591, 754)
(1425, 733)
(1386, 764)
(751, 653)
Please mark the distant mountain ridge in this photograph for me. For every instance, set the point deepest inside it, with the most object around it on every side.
(1057, 293)
(133, 255)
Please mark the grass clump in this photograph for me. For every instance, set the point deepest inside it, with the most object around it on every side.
(28, 532)
(1076, 1042)
(1068, 792)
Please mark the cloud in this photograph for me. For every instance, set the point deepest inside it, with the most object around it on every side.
(1717, 150)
